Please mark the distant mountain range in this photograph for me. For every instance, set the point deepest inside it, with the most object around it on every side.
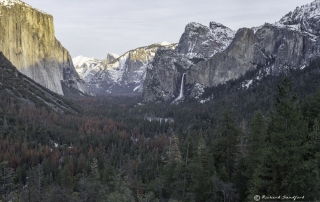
(123, 74)
(291, 43)
(205, 56)
(209, 56)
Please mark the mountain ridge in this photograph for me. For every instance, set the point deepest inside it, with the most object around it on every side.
(124, 74)
(280, 46)
(164, 73)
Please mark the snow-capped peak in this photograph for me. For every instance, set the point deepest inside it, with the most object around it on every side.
(214, 25)
(80, 60)
(86, 67)
(304, 18)
(222, 33)
(114, 55)
(201, 41)
(215, 29)
(194, 26)
(165, 43)
(10, 3)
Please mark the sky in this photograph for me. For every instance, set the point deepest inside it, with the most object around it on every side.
(94, 28)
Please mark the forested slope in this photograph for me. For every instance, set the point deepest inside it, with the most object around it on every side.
(242, 142)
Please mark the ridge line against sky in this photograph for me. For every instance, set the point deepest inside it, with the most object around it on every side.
(98, 27)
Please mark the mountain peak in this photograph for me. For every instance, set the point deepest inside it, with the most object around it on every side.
(10, 3)
(304, 18)
(80, 60)
(164, 43)
(214, 25)
(113, 55)
(195, 26)
(201, 41)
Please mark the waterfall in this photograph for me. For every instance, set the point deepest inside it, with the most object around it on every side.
(181, 88)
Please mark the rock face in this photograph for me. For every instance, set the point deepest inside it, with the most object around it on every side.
(305, 18)
(110, 58)
(199, 41)
(278, 48)
(87, 67)
(234, 61)
(125, 74)
(290, 43)
(27, 40)
(21, 89)
(197, 44)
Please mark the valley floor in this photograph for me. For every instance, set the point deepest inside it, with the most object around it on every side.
(263, 140)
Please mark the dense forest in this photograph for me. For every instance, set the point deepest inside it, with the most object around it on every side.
(264, 140)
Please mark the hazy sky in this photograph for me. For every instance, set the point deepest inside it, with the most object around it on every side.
(94, 28)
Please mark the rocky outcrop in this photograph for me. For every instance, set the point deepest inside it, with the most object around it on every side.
(290, 43)
(110, 58)
(199, 41)
(27, 40)
(164, 75)
(234, 61)
(87, 67)
(197, 44)
(22, 90)
(272, 46)
(305, 19)
(125, 74)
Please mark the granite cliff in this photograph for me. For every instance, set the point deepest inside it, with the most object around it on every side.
(290, 43)
(27, 40)
(124, 74)
(22, 90)
(198, 43)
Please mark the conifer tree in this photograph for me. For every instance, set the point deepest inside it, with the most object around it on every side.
(148, 197)
(201, 173)
(283, 170)
(94, 169)
(35, 181)
(6, 180)
(225, 144)
(174, 152)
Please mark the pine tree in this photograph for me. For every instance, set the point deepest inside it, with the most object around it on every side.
(148, 197)
(94, 169)
(201, 171)
(257, 136)
(251, 158)
(174, 152)
(35, 184)
(175, 171)
(283, 169)
(6, 180)
(225, 145)
(226, 191)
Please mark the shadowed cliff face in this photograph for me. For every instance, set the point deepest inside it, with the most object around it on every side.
(278, 48)
(197, 44)
(27, 40)
(291, 43)
(125, 74)
(24, 91)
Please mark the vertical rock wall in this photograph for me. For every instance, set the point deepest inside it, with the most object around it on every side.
(27, 40)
